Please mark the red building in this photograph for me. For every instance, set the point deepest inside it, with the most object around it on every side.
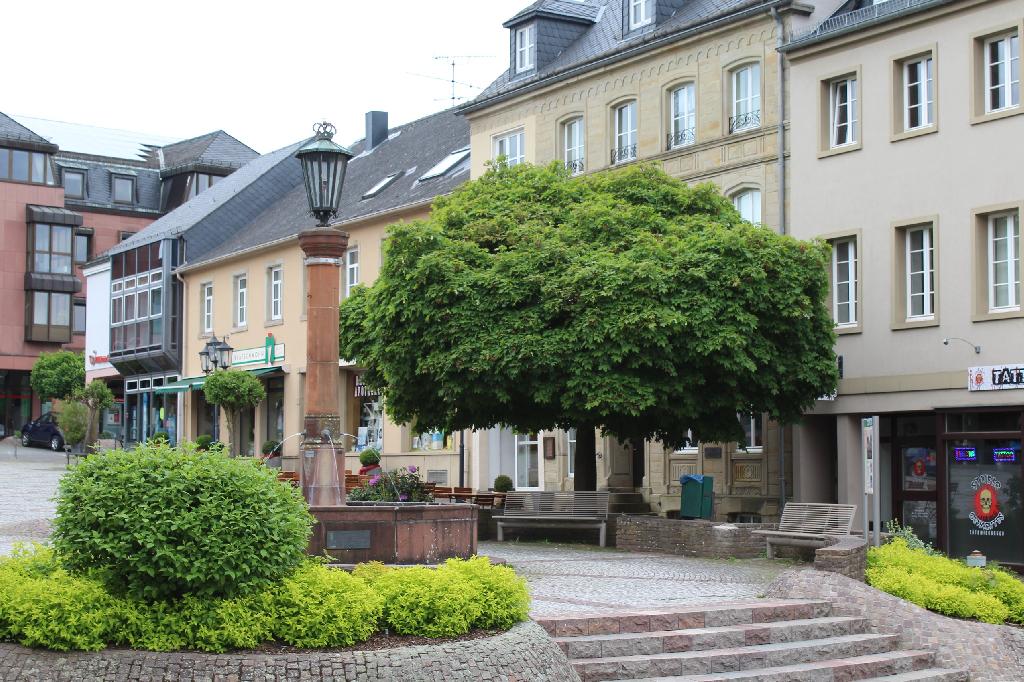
(67, 194)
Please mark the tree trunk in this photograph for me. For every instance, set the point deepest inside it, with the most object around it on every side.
(229, 424)
(585, 474)
(90, 429)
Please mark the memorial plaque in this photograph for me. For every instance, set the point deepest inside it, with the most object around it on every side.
(549, 447)
(712, 453)
(348, 539)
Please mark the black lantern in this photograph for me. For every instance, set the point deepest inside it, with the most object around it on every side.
(323, 168)
(215, 355)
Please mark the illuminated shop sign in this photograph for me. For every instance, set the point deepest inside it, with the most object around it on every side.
(995, 377)
(1004, 455)
(965, 454)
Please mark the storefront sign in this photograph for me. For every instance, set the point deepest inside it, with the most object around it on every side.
(995, 377)
(362, 391)
(269, 353)
(965, 454)
(1004, 455)
(986, 515)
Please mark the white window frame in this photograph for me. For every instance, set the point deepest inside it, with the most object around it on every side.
(925, 92)
(851, 281)
(683, 115)
(751, 102)
(573, 145)
(570, 451)
(241, 300)
(275, 279)
(625, 131)
(640, 13)
(207, 316)
(1011, 47)
(741, 197)
(690, 448)
(837, 106)
(927, 272)
(511, 146)
(1012, 260)
(526, 48)
(755, 437)
(351, 269)
(525, 439)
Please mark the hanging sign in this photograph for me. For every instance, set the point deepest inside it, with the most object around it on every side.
(868, 448)
(995, 377)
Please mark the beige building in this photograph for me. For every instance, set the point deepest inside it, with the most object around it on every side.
(906, 148)
(695, 86)
(251, 290)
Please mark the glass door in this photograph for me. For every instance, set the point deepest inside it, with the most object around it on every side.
(916, 475)
(527, 461)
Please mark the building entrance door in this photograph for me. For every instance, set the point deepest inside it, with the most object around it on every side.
(915, 467)
(527, 461)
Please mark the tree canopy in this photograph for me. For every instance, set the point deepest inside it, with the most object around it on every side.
(625, 300)
(58, 374)
(233, 390)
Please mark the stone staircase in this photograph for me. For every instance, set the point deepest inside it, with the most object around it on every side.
(762, 641)
(627, 502)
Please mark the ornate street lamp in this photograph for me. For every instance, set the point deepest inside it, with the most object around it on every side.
(216, 354)
(323, 169)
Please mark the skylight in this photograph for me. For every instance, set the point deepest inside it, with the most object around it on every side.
(446, 164)
(376, 189)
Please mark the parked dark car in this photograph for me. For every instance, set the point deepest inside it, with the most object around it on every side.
(43, 431)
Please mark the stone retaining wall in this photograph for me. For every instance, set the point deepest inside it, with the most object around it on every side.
(523, 653)
(847, 556)
(992, 653)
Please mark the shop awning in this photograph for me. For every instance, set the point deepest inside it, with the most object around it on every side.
(196, 383)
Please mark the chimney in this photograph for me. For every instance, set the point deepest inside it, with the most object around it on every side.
(376, 128)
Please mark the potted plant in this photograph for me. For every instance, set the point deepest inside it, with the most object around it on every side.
(271, 456)
(370, 461)
(503, 484)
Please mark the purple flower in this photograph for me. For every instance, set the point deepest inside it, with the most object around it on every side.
(413, 469)
(374, 480)
(403, 498)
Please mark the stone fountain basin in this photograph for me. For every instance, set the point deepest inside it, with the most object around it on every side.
(394, 532)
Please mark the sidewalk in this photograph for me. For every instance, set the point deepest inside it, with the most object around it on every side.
(28, 482)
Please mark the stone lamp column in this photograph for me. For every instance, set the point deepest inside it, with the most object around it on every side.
(322, 481)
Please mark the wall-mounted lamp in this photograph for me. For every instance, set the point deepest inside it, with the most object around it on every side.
(945, 342)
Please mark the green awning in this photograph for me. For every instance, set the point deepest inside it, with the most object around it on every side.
(196, 383)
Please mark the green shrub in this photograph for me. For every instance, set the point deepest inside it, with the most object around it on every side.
(269, 446)
(325, 607)
(503, 484)
(159, 522)
(158, 438)
(369, 456)
(204, 442)
(503, 596)
(946, 585)
(371, 571)
(907, 534)
(73, 421)
(428, 602)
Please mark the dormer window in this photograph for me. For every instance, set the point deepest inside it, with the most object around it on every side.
(641, 13)
(124, 190)
(74, 184)
(526, 48)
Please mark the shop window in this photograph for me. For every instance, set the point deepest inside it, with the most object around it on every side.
(274, 420)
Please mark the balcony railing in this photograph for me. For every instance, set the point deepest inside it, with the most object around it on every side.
(621, 154)
(575, 166)
(751, 119)
(681, 138)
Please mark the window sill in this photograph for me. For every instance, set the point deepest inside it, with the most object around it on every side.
(915, 323)
(841, 149)
(916, 132)
(1003, 314)
(849, 328)
(242, 328)
(273, 323)
(996, 115)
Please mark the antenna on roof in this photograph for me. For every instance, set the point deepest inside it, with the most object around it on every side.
(453, 60)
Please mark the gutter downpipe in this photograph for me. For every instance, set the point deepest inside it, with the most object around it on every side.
(780, 41)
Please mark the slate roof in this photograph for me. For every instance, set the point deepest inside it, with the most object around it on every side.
(12, 131)
(411, 149)
(207, 220)
(587, 10)
(605, 39)
(853, 16)
(99, 184)
(216, 150)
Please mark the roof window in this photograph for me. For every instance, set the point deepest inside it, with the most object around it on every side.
(379, 187)
(446, 164)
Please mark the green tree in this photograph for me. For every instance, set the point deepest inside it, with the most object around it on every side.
(234, 391)
(624, 301)
(73, 421)
(96, 397)
(57, 375)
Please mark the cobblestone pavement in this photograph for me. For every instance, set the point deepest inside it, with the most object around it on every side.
(581, 578)
(28, 482)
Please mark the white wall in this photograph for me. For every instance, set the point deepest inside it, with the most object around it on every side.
(97, 320)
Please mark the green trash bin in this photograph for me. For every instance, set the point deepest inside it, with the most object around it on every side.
(697, 496)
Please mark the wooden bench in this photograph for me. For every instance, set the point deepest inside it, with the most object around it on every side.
(544, 509)
(809, 524)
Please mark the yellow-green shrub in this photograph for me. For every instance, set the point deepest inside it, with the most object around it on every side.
(319, 607)
(504, 599)
(371, 571)
(946, 585)
(428, 602)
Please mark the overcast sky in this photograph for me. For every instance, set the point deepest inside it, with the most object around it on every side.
(262, 71)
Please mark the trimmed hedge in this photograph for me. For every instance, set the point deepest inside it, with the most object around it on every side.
(43, 605)
(160, 522)
(944, 585)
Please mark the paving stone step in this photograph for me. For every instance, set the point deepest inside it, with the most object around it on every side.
(888, 666)
(685, 617)
(631, 508)
(929, 674)
(734, 659)
(703, 639)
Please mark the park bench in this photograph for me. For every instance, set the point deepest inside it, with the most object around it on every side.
(552, 509)
(809, 524)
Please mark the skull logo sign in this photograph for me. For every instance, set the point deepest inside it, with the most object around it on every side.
(986, 503)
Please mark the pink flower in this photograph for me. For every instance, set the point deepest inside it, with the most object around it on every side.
(374, 480)
(412, 469)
